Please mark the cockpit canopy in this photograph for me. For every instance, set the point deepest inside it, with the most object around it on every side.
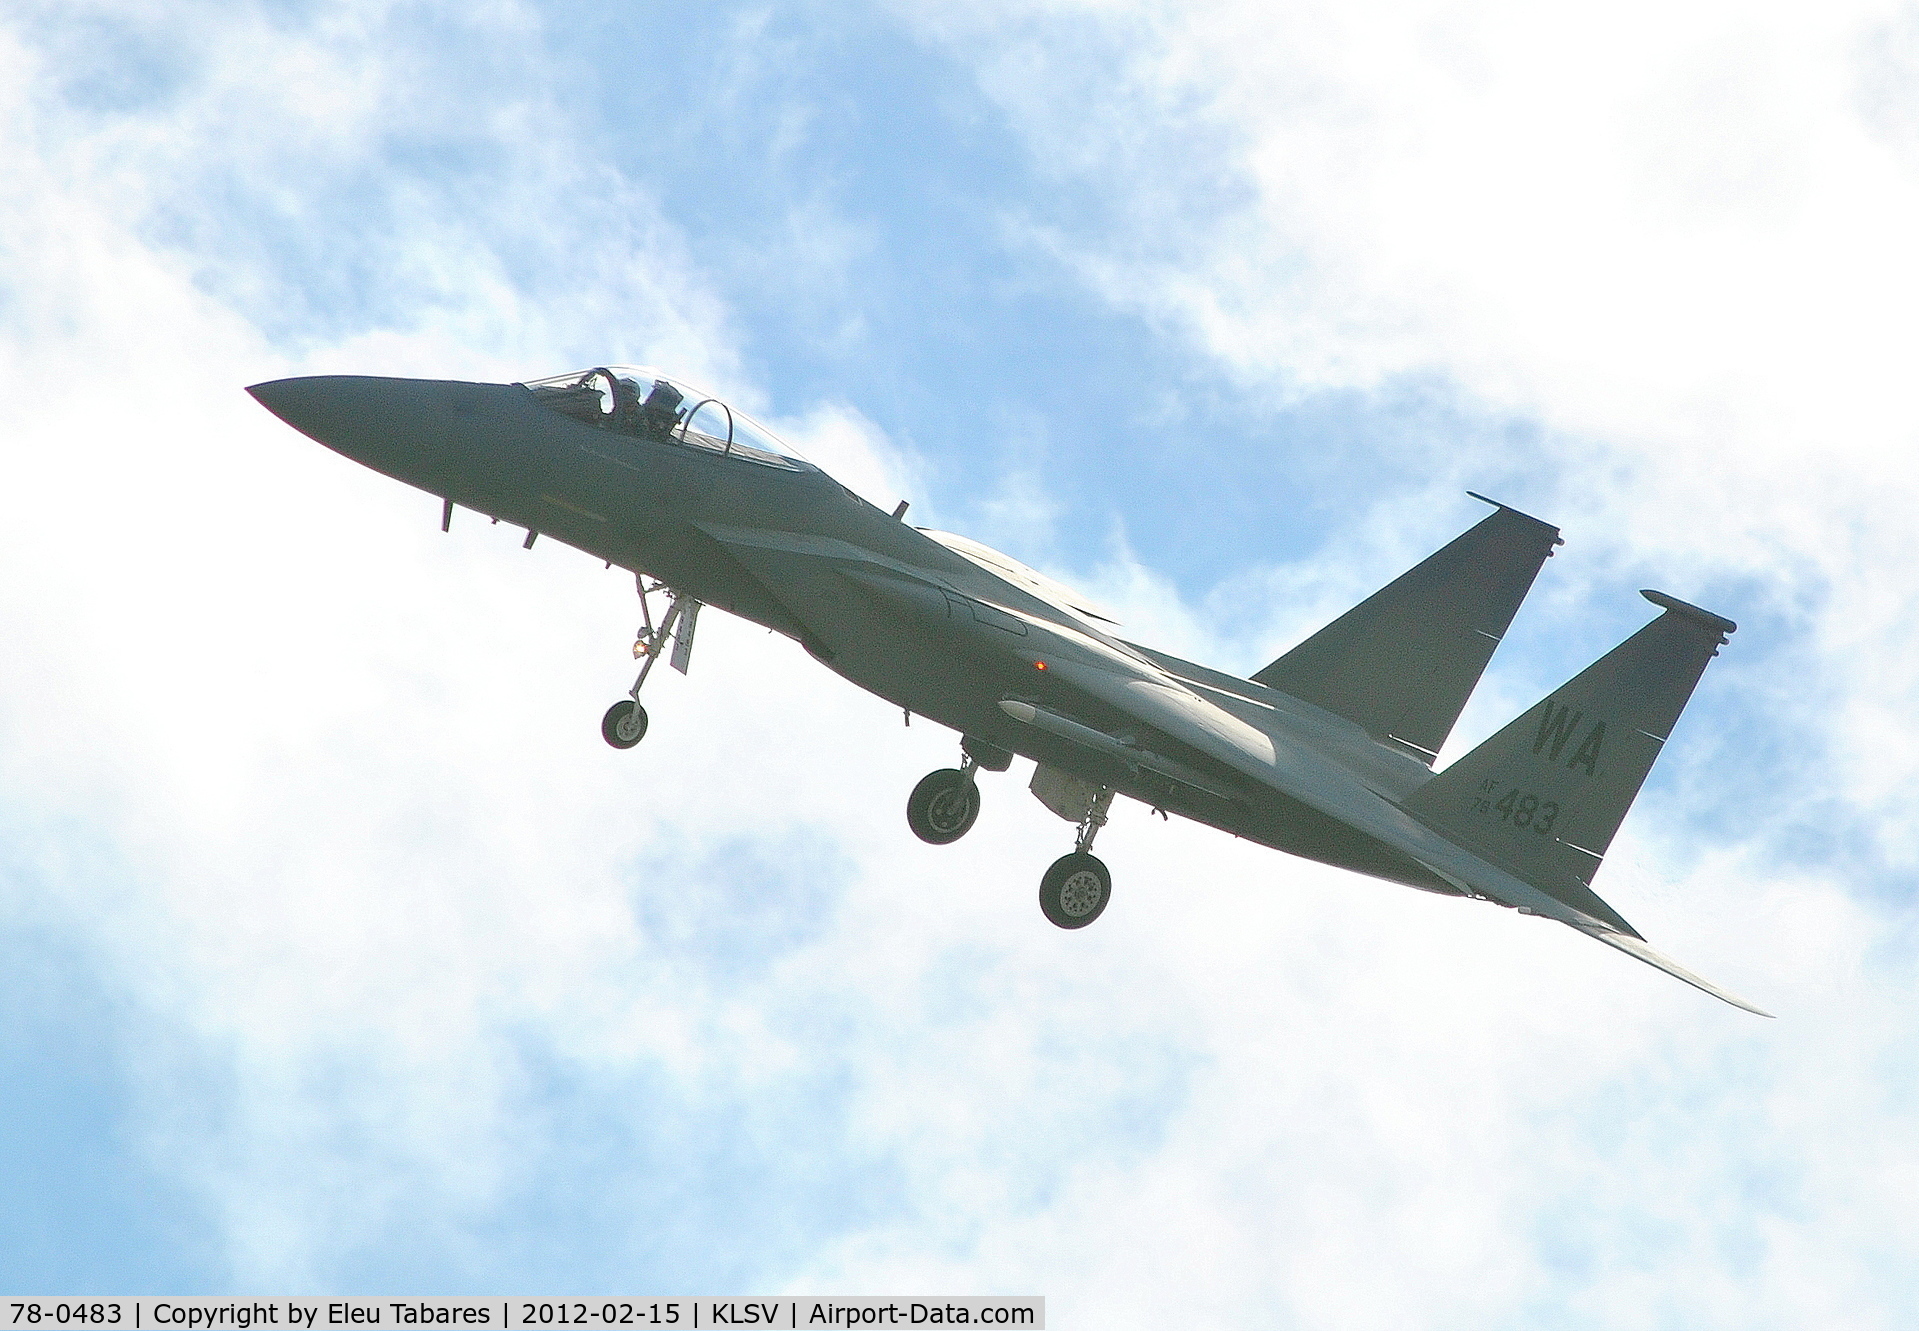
(642, 402)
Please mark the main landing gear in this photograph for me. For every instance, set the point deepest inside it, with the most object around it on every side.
(1075, 890)
(945, 804)
(624, 724)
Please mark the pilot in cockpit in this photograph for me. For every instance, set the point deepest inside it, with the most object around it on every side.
(660, 412)
(655, 418)
(609, 398)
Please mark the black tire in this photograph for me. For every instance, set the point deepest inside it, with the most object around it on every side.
(624, 724)
(1075, 890)
(942, 807)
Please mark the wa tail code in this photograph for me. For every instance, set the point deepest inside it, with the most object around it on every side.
(1557, 725)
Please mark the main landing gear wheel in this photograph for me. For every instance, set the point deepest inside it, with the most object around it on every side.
(624, 724)
(943, 806)
(1075, 890)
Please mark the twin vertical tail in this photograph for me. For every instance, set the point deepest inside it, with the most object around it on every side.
(1543, 797)
(1402, 662)
(1541, 800)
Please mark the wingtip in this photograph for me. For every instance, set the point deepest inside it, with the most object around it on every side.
(1639, 948)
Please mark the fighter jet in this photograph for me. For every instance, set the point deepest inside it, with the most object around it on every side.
(1327, 753)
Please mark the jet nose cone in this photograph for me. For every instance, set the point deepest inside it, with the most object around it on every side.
(285, 397)
(426, 432)
(444, 436)
(339, 410)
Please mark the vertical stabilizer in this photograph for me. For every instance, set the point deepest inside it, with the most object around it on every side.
(1403, 661)
(1543, 797)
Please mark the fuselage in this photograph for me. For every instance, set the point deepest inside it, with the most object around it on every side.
(899, 613)
(1316, 761)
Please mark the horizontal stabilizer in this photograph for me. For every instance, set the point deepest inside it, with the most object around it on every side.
(1637, 947)
(1543, 797)
(1403, 662)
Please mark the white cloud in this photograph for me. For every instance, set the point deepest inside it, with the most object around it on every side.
(836, 437)
(1671, 232)
(1678, 240)
(366, 856)
(426, 949)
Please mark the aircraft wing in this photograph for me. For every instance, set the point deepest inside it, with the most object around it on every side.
(1199, 725)
(1638, 947)
(1294, 766)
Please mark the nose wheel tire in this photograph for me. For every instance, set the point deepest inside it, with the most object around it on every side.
(1075, 890)
(624, 724)
(943, 806)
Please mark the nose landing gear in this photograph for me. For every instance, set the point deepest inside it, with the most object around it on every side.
(624, 724)
(1075, 890)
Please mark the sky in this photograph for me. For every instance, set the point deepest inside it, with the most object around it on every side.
(342, 956)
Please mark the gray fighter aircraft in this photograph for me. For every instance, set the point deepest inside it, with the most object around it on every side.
(1326, 753)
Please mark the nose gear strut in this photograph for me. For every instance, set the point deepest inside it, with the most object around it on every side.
(624, 724)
